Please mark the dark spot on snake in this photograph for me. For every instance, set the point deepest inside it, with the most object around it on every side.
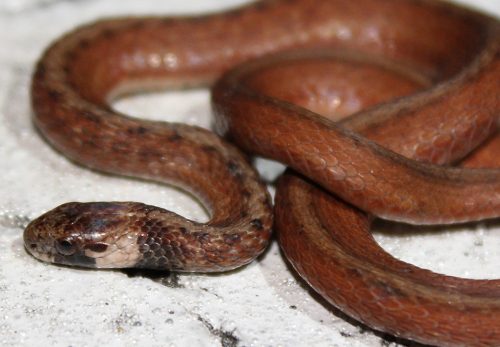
(97, 247)
(232, 239)
(203, 237)
(67, 68)
(108, 33)
(90, 116)
(71, 209)
(246, 193)
(140, 130)
(54, 95)
(174, 137)
(208, 149)
(356, 141)
(183, 230)
(84, 43)
(257, 223)
(233, 168)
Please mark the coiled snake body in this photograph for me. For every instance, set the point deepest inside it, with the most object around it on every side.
(352, 56)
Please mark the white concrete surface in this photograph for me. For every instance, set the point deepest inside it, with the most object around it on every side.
(262, 304)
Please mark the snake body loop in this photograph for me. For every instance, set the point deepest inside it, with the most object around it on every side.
(440, 62)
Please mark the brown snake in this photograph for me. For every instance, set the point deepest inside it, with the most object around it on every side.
(450, 54)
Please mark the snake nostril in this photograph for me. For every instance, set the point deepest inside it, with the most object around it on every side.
(33, 245)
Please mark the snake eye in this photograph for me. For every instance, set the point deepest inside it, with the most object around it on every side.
(65, 247)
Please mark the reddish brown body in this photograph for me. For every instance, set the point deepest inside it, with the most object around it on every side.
(357, 54)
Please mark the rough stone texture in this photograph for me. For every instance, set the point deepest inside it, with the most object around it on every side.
(259, 305)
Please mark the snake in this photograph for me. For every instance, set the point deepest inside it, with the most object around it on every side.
(366, 102)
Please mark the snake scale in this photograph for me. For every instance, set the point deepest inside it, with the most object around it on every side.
(401, 86)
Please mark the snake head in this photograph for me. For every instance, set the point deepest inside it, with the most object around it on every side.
(95, 235)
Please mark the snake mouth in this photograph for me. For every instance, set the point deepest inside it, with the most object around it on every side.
(51, 256)
(79, 260)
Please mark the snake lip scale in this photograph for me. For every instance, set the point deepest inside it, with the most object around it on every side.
(274, 66)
